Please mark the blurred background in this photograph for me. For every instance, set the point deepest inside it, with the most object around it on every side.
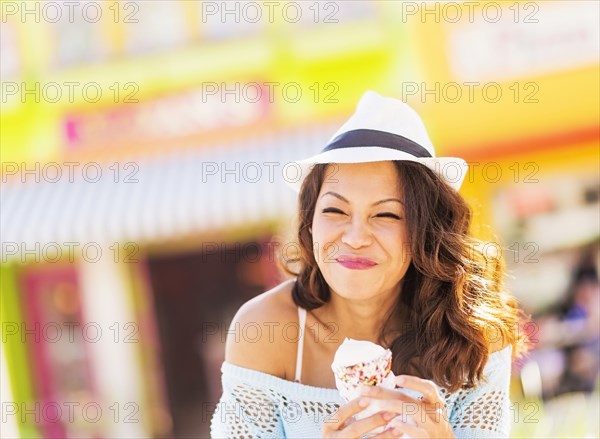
(143, 199)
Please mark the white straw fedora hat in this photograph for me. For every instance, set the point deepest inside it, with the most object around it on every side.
(380, 129)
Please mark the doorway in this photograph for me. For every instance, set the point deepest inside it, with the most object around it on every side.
(196, 295)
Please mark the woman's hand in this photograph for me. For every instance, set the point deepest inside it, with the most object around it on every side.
(429, 413)
(342, 425)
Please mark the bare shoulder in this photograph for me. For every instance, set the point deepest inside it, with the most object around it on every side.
(255, 340)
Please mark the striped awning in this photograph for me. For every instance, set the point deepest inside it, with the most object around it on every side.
(158, 198)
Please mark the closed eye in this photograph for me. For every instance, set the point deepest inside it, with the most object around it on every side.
(389, 215)
(332, 210)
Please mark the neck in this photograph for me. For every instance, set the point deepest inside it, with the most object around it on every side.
(357, 319)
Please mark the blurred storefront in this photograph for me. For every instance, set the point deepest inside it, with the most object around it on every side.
(521, 106)
(120, 275)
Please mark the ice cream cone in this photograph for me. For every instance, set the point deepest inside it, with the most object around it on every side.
(357, 363)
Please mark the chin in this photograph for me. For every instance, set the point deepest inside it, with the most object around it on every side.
(354, 295)
(351, 286)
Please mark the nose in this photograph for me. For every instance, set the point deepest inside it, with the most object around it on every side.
(357, 234)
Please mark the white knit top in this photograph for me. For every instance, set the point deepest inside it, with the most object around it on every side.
(258, 405)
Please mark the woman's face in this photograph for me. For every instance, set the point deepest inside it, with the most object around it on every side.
(359, 230)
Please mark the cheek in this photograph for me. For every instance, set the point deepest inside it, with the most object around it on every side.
(400, 252)
(323, 232)
(324, 249)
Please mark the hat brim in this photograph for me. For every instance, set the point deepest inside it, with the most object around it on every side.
(452, 170)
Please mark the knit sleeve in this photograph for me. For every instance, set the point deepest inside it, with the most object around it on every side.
(246, 410)
(483, 412)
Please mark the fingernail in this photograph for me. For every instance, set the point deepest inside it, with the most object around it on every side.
(400, 380)
(364, 402)
(397, 431)
(387, 416)
(365, 390)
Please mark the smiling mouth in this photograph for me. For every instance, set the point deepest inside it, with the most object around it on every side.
(356, 263)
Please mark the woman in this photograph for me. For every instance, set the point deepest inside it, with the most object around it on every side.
(384, 255)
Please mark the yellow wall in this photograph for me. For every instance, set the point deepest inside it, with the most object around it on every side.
(578, 158)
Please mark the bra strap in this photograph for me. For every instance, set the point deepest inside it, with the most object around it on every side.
(302, 322)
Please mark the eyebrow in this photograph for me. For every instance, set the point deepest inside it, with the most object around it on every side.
(335, 194)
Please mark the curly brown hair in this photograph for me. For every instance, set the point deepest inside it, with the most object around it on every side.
(452, 305)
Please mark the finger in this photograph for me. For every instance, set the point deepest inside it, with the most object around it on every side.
(428, 388)
(426, 407)
(346, 411)
(410, 410)
(387, 434)
(383, 393)
(419, 412)
(365, 425)
(407, 430)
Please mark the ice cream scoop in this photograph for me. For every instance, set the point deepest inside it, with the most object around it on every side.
(360, 362)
